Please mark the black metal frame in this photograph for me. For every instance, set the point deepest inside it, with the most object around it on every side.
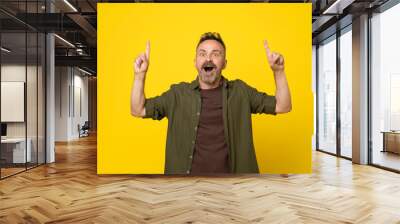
(369, 90)
(316, 98)
(338, 98)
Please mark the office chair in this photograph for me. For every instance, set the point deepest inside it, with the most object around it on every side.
(84, 130)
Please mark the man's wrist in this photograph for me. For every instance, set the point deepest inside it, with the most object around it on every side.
(279, 72)
(139, 76)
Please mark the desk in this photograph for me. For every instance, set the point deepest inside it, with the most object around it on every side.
(16, 147)
(391, 141)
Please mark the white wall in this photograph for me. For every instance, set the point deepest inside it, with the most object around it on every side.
(71, 93)
(12, 101)
(62, 81)
(16, 73)
(81, 84)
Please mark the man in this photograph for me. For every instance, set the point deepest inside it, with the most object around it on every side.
(209, 119)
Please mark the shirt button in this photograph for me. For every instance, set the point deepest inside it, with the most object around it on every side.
(190, 156)
(198, 113)
(192, 142)
(187, 171)
(195, 128)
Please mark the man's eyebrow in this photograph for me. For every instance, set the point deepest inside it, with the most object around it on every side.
(211, 51)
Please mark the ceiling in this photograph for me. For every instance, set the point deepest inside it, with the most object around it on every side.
(76, 22)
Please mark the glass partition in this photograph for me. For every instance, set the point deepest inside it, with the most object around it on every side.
(22, 77)
(14, 154)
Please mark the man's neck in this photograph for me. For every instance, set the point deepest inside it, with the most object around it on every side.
(210, 86)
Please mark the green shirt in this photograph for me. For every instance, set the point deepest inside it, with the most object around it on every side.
(181, 104)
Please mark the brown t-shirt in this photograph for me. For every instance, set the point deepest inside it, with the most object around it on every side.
(211, 150)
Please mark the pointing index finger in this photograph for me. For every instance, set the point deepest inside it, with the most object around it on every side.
(267, 48)
(147, 49)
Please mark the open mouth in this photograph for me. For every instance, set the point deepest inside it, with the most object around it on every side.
(209, 67)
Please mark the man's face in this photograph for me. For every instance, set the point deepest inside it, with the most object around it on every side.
(210, 60)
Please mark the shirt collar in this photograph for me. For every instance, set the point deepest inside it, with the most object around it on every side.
(195, 83)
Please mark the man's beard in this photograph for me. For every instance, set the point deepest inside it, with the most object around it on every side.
(209, 73)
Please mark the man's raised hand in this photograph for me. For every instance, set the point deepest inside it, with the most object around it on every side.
(142, 62)
(275, 60)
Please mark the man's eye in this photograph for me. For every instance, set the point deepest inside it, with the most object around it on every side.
(216, 54)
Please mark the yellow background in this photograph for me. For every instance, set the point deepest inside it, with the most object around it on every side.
(128, 145)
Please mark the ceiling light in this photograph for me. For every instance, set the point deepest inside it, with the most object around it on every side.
(84, 71)
(64, 40)
(70, 5)
(5, 50)
(338, 6)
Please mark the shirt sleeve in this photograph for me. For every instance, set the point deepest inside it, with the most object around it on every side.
(260, 102)
(159, 107)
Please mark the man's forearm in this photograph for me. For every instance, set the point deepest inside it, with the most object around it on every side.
(282, 94)
(138, 97)
(137, 94)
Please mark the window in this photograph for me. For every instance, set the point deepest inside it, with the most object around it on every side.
(385, 88)
(346, 93)
(327, 95)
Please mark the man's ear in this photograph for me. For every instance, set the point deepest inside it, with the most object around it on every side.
(226, 62)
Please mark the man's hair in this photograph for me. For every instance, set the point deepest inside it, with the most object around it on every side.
(211, 36)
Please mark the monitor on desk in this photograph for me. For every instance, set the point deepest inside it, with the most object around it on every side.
(3, 130)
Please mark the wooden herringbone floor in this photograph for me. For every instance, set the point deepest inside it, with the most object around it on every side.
(69, 191)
